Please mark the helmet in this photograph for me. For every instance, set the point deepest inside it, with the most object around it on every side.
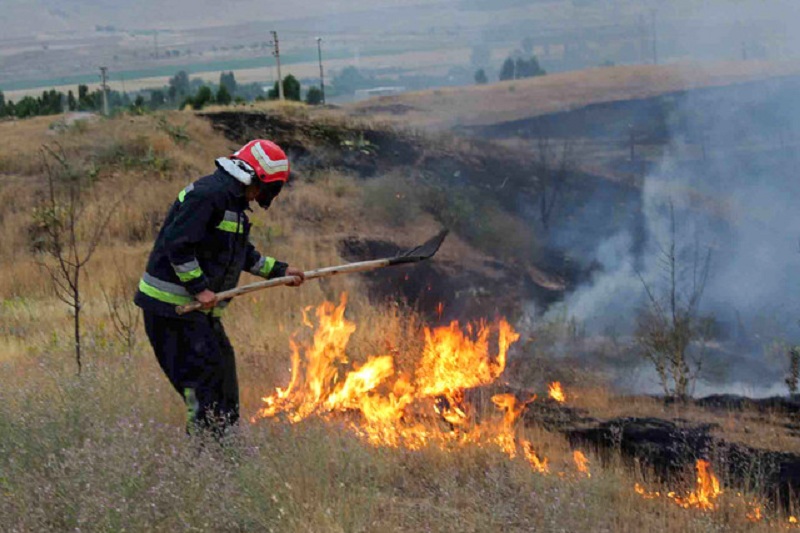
(266, 158)
(270, 165)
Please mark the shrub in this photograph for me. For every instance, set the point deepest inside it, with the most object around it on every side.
(314, 96)
(793, 378)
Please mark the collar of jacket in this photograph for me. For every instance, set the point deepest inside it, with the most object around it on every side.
(232, 185)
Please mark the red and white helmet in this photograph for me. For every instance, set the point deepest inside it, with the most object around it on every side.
(266, 158)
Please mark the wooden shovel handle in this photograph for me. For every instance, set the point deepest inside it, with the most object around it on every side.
(286, 280)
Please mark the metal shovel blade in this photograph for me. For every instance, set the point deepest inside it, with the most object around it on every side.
(421, 252)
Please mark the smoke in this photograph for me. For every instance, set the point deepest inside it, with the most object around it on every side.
(728, 173)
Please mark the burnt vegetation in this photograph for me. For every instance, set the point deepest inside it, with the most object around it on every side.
(526, 220)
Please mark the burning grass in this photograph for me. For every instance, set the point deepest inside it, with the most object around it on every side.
(107, 451)
(451, 362)
(387, 409)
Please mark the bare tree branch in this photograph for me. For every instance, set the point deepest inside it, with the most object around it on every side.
(670, 323)
(63, 211)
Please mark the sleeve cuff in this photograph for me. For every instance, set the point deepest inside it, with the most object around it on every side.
(197, 286)
(279, 270)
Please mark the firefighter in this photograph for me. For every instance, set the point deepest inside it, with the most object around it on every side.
(201, 250)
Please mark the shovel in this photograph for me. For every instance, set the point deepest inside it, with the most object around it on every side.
(415, 255)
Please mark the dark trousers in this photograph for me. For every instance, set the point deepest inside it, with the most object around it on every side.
(198, 359)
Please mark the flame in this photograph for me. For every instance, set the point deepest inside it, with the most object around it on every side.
(374, 399)
(703, 497)
(556, 392)
(506, 437)
(754, 515)
(581, 463)
(381, 405)
(453, 361)
(644, 493)
(706, 491)
(538, 465)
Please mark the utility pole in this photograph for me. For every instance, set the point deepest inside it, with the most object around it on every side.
(104, 87)
(277, 54)
(321, 72)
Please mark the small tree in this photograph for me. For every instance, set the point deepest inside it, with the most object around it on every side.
(314, 96)
(223, 96)
(157, 99)
(203, 97)
(552, 175)
(349, 80)
(291, 89)
(179, 85)
(123, 312)
(72, 103)
(671, 322)
(69, 245)
(793, 379)
(528, 68)
(228, 80)
(480, 77)
(508, 71)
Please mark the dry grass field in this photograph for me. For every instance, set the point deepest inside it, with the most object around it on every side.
(517, 100)
(106, 450)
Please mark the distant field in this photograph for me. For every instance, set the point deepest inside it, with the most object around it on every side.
(521, 99)
(263, 70)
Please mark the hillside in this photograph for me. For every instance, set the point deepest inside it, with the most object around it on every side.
(430, 438)
(520, 100)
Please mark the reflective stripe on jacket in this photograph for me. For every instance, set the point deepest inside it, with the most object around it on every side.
(203, 244)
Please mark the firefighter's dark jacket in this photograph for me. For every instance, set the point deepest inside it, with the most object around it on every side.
(203, 244)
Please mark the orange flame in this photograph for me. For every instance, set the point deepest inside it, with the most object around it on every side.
(506, 438)
(452, 361)
(556, 392)
(538, 465)
(644, 493)
(754, 515)
(375, 401)
(706, 491)
(703, 497)
(581, 463)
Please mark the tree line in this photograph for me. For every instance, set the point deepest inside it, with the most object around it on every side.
(53, 102)
(513, 69)
(180, 92)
